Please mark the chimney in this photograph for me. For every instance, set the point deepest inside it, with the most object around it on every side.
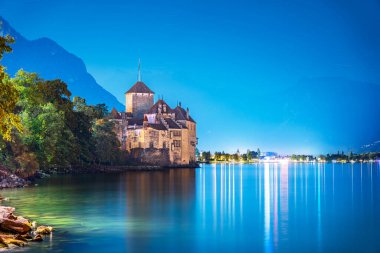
(187, 113)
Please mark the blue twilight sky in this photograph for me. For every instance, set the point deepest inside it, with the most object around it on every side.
(248, 70)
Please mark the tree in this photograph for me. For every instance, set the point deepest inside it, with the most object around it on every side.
(54, 131)
(197, 153)
(57, 131)
(217, 156)
(8, 96)
(106, 142)
(100, 111)
(48, 136)
(93, 111)
(80, 125)
(249, 155)
(206, 156)
(82, 121)
(236, 157)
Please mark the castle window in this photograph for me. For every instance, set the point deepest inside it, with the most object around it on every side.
(177, 143)
(164, 144)
(151, 144)
(177, 133)
(153, 134)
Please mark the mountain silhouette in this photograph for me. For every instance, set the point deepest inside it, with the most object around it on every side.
(51, 61)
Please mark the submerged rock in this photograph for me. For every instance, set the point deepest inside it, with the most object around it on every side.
(7, 240)
(16, 226)
(45, 230)
(9, 222)
(37, 238)
(17, 230)
(24, 237)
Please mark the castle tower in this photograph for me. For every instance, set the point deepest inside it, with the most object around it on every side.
(139, 98)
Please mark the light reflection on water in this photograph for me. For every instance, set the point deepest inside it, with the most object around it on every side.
(291, 207)
(216, 208)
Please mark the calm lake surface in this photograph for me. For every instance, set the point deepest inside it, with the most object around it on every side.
(215, 208)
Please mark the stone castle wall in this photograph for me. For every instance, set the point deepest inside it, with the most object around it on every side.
(151, 156)
(138, 103)
(192, 140)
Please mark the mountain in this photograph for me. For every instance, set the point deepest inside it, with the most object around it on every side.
(51, 61)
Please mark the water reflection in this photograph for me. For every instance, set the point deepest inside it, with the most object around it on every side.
(148, 192)
(275, 205)
(267, 211)
(158, 203)
(216, 208)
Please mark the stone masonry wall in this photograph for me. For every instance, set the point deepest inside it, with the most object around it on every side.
(138, 103)
(151, 156)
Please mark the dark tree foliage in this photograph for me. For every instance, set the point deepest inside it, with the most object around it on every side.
(57, 132)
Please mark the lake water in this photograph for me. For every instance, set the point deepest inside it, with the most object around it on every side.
(215, 208)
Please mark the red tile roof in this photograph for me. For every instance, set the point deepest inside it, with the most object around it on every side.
(140, 87)
(154, 108)
(180, 114)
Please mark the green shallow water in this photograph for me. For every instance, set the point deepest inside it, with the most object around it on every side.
(216, 208)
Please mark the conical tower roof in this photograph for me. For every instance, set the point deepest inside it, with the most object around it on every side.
(140, 87)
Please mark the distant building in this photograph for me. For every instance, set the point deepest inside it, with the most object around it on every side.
(155, 132)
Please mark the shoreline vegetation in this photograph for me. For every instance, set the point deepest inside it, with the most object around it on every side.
(258, 156)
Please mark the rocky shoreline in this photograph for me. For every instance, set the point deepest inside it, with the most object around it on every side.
(89, 169)
(10, 180)
(17, 231)
(94, 169)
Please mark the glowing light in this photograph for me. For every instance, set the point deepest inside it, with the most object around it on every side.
(267, 217)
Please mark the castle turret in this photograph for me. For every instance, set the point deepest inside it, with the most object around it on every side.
(139, 98)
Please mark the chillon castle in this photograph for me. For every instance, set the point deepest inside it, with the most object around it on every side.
(154, 133)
